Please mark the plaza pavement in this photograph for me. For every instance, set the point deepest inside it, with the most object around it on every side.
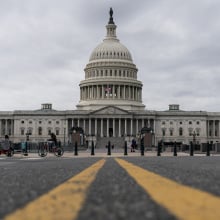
(114, 153)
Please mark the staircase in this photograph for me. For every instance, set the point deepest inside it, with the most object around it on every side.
(118, 142)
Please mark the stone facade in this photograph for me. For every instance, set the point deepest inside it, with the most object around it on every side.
(110, 106)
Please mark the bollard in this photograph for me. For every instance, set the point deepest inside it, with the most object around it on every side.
(125, 149)
(175, 150)
(208, 149)
(26, 151)
(142, 148)
(159, 149)
(109, 148)
(93, 149)
(76, 149)
(191, 149)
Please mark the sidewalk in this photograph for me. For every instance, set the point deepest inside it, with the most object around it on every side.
(114, 153)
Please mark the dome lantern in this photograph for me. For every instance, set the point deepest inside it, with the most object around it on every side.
(111, 28)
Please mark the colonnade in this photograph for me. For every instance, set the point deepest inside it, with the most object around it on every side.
(112, 127)
(6, 127)
(111, 91)
(213, 128)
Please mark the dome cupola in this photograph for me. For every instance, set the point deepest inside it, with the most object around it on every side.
(111, 48)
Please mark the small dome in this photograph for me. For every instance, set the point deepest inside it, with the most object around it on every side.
(110, 49)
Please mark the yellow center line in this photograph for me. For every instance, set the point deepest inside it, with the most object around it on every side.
(63, 202)
(182, 201)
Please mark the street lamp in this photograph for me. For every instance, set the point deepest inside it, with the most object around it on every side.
(193, 143)
(27, 139)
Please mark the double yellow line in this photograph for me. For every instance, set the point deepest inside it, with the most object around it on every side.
(65, 201)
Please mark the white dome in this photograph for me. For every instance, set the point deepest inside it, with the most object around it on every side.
(111, 49)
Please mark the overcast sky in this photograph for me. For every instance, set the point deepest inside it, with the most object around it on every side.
(45, 46)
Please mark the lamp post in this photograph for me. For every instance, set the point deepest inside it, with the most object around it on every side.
(64, 137)
(92, 147)
(193, 144)
(26, 144)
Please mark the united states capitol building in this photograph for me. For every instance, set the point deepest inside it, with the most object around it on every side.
(111, 108)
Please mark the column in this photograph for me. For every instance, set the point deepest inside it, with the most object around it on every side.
(131, 130)
(129, 93)
(148, 123)
(125, 126)
(97, 92)
(107, 134)
(142, 123)
(119, 127)
(113, 127)
(213, 128)
(154, 126)
(108, 93)
(96, 127)
(136, 95)
(90, 126)
(136, 126)
(133, 90)
(6, 126)
(218, 128)
(0, 127)
(118, 92)
(124, 92)
(78, 122)
(84, 125)
(113, 92)
(101, 127)
(103, 92)
(140, 94)
(207, 128)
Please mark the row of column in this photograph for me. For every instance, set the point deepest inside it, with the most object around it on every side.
(111, 73)
(124, 126)
(213, 128)
(111, 92)
(6, 127)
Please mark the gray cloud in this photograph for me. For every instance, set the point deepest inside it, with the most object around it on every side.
(45, 45)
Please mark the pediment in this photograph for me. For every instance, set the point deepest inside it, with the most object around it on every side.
(110, 110)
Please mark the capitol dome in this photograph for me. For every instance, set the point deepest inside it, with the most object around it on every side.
(110, 76)
(111, 49)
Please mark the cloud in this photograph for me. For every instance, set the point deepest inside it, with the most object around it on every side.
(45, 45)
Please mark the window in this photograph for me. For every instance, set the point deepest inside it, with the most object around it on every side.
(57, 132)
(163, 123)
(22, 122)
(171, 132)
(22, 131)
(163, 132)
(40, 122)
(49, 122)
(197, 123)
(57, 122)
(190, 122)
(180, 132)
(30, 122)
(29, 131)
(181, 122)
(40, 131)
(49, 131)
(171, 122)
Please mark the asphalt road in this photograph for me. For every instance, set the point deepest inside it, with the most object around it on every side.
(113, 194)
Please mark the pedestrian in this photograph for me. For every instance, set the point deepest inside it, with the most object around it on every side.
(6, 145)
